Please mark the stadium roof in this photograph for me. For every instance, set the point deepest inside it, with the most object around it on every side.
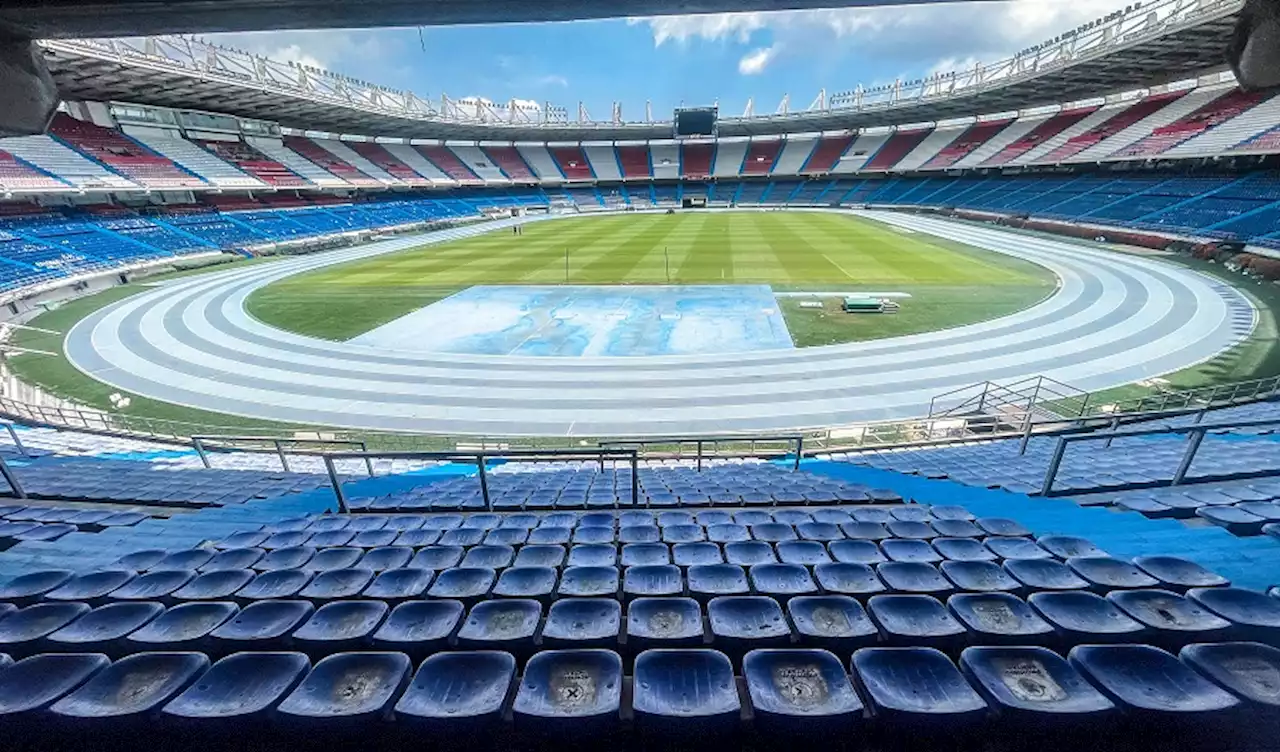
(1153, 43)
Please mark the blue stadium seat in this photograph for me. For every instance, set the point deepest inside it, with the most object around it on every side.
(339, 626)
(956, 529)
(640, 534)
(1068, 546)
(691, 554)
(772, 532)
(1034, 689)
(23, 632)
(417, 538)
(782, 580)
(1043, 574)
(688, 533)
(140, 561)
(748, 553)
(848, 579)
(878, 515)
(652, 581)
(746, 622)
(527, 582)
(914, 577)
(488, 557)
(242, 540)
(728, 533)
(833, 622)
(950, 512)
(832, 516)
(872, 531)
(437, 558)
(1147, 681)
(468, 584)
(91, 588)
(331, 538)
(192, 558)
(804, 552)
(1104, 573)
(456, 696)
(916, 691)
(287, 539)
(419, 628)
(182, 628)
(1256, 616)
(978, 576)
(819, 531)
(234, 558)
(904, 549)
(1172, 620)
(157, 585)
(583, 623)
(800, 693)
(911, 530)
(506, 536)
(103, 629)
(1016, 548)
(236, 695)
(570, 695)
(293, 557)
(550, 535)
(588, 582)
(1245, 669)
(540, 556)
(365, 523)
(213, 586)
(707, 581)
(126, 694)
(685, 697)
(999, 619)
(26, 589)
(264, 625)
(752, 517)
(594, 555)
(279, 583)
(588, 535)
(915, 620)
(1004, 527)
(344, 692)
(508, 625)
(373, 538)
(664, 623)
(1178, 574)
(1236, 521)
(645, 554)
(399, 585)
(1081, 618)
(336, 584)
(386, 557)
(856, 552)
(30, 686)
(329, 559)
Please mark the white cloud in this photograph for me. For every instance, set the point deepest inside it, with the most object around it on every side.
(757, 60)
(553, 80)
(713, 26)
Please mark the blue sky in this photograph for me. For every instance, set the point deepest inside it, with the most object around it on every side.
(697, 59)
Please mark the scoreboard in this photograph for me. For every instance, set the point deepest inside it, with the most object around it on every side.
(695, 122)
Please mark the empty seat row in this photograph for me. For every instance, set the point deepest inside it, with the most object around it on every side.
(677, 696)
(734, 623)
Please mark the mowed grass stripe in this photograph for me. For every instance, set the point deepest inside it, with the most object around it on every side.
(791, 250)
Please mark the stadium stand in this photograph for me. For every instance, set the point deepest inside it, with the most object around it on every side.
(478, 162)
(572, 163)
(121, 154)
(540, 161)
(1207, 117)
(634, 162)
(508, 159)
(760, 156)
(795, 153)
(371, 159)
(729, 157)
(254, 162)
(16, 176)
(197, 160)
(826, 155)
(664, 160)
(1040, 135)
(55, 158)
(1112, 123)
(327, 160)
(898, 145)
(448, 163)
(697, 160)
(965, 144)
(604, 161)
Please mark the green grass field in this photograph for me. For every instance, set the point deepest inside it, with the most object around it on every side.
(951, 284)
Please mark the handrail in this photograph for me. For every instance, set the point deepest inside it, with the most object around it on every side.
(701, 441)
(1196, 431)
(481, 458)
(201, 444)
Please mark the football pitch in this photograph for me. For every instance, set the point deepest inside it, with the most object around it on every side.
(949, 284)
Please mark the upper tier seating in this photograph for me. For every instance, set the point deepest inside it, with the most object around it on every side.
(1113, 125)
(508, 159)
(760, 156)
(1209, 116)
(66, 163)
(634, 161)
(384, 160)
(448, 163)
(696, 160)
(327, 160)
(572, 162)
(826, 155)
(122, 154)
(18, 176)
(254, 162)
(1265, 142)
(202, 162)
(895, 148)
(976, 136)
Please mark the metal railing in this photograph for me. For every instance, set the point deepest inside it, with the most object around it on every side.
(1195, 433)
(203, 444)
(601, 454)
(701, 442)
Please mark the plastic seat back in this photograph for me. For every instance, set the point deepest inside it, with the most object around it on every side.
(1173, 621)
(419, 628)
(999, 619)
(35, 683)
(848, 579)
(1146, 680)
(261, 625)
(834, 622)
(650, 581)
(182, 627)
(239, 687)
(583, 623)
(213, 586)
(347, 688)
(587, 582)
(506, 624)
(91, 588)
(101, 630)
(915, 685)
(911, 620)
(458, 691)
(978, 576)
(22, 631)
(914, 577)
(397, 585)
(707, 581)
(467, 584)
(782, 580)
(1247, 670)
(1081, 618)
(800, 692)
(1033, 683)
(664, 622)
(683, 695)
(132, 687)
(567, 693)
(1178, 574)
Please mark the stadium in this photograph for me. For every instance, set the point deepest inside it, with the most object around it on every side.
(938, 414)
